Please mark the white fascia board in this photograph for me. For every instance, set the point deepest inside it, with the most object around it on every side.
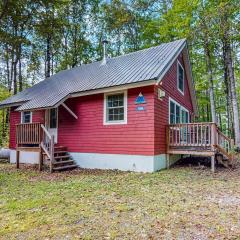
(115, 88)
(168, 65)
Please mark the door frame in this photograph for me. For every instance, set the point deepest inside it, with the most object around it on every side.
(47, 123)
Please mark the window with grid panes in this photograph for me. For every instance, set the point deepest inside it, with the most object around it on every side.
(115, 107)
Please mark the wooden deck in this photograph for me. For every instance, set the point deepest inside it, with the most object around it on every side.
(202, 139)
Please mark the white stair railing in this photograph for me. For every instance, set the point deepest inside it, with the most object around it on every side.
(47, 145)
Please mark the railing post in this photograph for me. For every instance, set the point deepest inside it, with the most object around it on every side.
(213, 163)
(213, 136)
(52, 153)
(167, 137)
(40, 159)
(17, 158)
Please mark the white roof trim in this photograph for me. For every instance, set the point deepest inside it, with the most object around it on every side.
(189, 70)
(168, 65)
(115, 88)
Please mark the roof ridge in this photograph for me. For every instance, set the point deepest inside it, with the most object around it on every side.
(145, 49)
(125, 54)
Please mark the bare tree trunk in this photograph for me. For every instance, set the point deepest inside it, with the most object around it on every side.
(11, 71)
(74, 58)
(52, 63)
(20, 68)
(233, 94)
(7, 65)
(210, 80)
(48, 58)
(228, 62)
(228, 95)
(15, 76)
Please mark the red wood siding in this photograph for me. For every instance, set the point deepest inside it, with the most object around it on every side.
(161, 107)
(88, 134)
(15, 118)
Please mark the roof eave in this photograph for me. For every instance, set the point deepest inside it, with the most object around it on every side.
(8, 105)
(95, 91)
(172, 60)
(116, 88)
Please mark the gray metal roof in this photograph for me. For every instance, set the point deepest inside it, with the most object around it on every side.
(143, 65)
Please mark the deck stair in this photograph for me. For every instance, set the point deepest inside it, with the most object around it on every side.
(62, 160)
(57, 156)
(222, 160)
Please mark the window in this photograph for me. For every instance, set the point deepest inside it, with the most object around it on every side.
(172, 112)
(115, 109)
(185, 117)
(177, 113)
(26, 117)
(53, 118)
(180, 78)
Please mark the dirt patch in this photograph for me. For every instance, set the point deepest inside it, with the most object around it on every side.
(225, 200)
(36, 175)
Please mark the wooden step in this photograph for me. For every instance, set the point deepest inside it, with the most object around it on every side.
(59, 157)
(57, 152)
(64, 162)
(60, 148)
(222, 160)
(67, 167)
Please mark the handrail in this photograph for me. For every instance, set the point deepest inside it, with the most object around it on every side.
(224, 144)
(46, 131)
(47, 145)
(223, 135)
(194, 123)
(224, 152)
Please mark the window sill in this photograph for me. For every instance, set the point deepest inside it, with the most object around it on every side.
(115, 123)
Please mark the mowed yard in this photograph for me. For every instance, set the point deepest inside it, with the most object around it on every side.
(179, 203)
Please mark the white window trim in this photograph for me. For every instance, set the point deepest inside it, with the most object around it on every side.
(48, 112)
(179, 64)
(181, 108)
(105, 122)
(22, 117)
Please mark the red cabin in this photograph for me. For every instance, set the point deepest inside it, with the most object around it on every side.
(131, 112)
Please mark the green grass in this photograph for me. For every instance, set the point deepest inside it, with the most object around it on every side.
(180, 203)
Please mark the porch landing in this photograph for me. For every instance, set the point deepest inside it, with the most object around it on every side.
(34, 137)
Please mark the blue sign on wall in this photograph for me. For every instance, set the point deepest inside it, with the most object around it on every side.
(140, 108)
(140, 99)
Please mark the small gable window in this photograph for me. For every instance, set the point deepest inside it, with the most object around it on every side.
(180, 78)
(26, 117)
(115, 108)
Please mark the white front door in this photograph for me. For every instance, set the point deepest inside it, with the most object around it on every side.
(52, 123)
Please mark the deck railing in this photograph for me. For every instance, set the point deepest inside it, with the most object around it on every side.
(35, 134)
(28, 134)
(198, 136)
(47, 145)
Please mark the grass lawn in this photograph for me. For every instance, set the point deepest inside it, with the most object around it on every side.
(180, 203)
